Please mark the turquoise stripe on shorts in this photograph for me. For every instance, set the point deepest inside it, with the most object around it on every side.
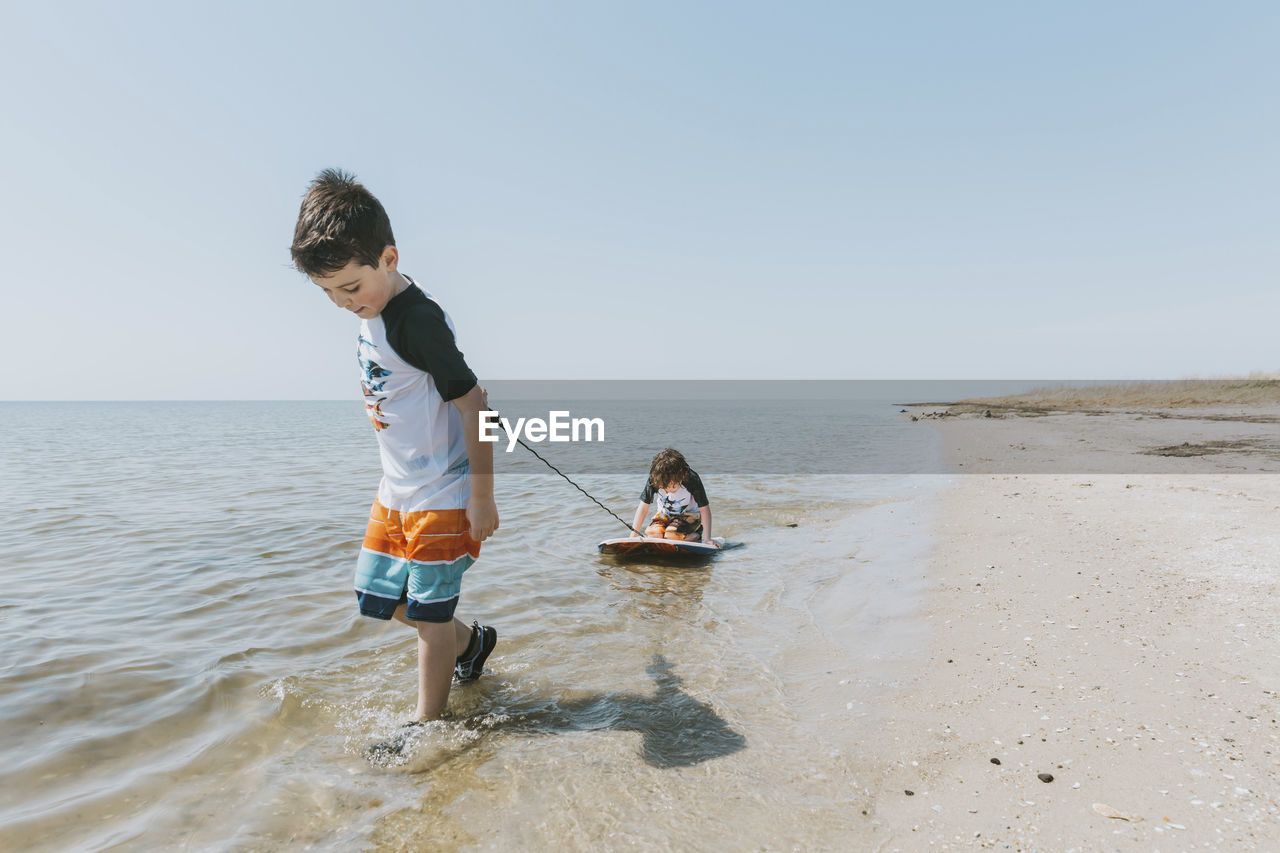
(390, 577)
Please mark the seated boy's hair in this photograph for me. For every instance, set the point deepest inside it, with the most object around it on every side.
(668, 467)
(340, 221)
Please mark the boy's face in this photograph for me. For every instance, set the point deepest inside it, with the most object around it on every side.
(361, 289)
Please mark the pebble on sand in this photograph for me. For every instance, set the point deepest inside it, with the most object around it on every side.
(1045, 777)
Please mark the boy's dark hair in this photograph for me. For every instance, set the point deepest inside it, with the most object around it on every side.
(668, 467)
(340, 221)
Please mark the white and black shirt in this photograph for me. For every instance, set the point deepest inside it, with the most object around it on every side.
(411, 369)
(688, 498)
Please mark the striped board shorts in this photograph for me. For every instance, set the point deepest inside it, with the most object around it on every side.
(416, 559)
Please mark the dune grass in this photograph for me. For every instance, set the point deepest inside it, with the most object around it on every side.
(1255, 390)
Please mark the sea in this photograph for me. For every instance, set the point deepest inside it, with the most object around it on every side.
(183, 667)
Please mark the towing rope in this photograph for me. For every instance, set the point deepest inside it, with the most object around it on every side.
(630, 530)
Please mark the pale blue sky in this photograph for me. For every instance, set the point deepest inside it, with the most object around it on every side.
(639, 190)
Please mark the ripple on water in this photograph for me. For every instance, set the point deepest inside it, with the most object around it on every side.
(184, 666)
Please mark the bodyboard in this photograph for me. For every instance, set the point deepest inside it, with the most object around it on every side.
(634, 546)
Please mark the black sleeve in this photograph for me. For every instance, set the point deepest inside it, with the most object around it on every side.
(694, 484)
(646, 497)
(422, 337)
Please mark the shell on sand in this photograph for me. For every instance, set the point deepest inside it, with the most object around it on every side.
(1106, 811)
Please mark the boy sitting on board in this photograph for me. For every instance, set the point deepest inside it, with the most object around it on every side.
(435, 501)
(683, 509)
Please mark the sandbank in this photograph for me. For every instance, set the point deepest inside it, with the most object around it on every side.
(1102, 608)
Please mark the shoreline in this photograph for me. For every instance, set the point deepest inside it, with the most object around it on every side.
(1099, 619)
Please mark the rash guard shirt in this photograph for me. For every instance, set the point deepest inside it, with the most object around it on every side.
(411, 368)
(688, 498)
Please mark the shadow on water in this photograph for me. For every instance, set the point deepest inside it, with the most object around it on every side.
(676, 729)
(680, 587)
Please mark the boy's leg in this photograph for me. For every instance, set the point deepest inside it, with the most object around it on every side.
(439, 645)
(438, 650)
(685, 526)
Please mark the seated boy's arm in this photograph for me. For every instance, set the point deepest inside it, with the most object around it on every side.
(705, 512)
(641, 511)
(482, 511)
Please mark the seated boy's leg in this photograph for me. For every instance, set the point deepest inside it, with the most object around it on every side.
(687, 525)
(657, 527)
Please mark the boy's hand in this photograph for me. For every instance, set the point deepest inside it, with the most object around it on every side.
(482, 515)
(482, 512)
(637, 523)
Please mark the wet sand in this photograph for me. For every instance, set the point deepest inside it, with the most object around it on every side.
(1103, 609)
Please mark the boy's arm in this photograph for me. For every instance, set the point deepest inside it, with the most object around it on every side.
(482, 511)
(641, 511)
(705, 512)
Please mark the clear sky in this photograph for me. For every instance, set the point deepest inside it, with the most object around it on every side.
(737, 190)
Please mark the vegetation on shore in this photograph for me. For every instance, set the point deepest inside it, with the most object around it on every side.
(1256, 390)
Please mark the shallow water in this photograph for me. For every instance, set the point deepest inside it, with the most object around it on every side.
(184, 666)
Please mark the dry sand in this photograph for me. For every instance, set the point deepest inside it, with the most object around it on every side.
(1103, 606)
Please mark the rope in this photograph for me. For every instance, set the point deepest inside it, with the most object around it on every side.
(630, 530)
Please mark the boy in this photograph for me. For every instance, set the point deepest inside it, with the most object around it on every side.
(683, 509)
(435, 501)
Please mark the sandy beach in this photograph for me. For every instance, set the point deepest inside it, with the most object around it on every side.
(1092, 597)
(1103, 670)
